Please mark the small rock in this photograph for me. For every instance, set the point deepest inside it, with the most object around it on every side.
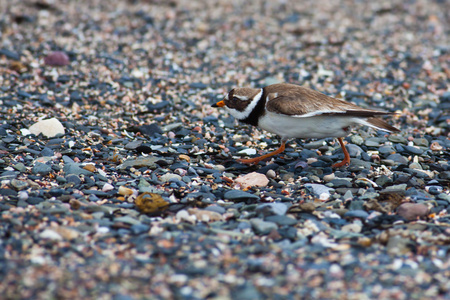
(41, 169)
(281, 220)
(339, 182)
(107, 187)
(414, 150)
(49, 128)
(205, 215)
(19, 184)
(329, 177)
(262, 227)
(357, 140)
(361, 214)
(67, 233)
(124, 191)
(235, 195)
(252, 179)
(307, 207)
(57, 59)
(320, 190)
(75, 169)
(149, 203)
(397, 139)
(397, 158)
(169, 176)
(413, 211)
(50, 234)
(150, 129)
(356, 228)
(90, 167)
(271, 174)
(272, 208)
(354, 150)
(144, 161)
(248, 151)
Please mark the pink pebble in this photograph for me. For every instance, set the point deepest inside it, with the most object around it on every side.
(57, 59)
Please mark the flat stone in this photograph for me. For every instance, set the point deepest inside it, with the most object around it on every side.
(395, 138)
(235, 195)
(414, 150)
(281, 220)
(75, 169)
(398, 159)
(361, 214)
(335, 183)
(143, 161)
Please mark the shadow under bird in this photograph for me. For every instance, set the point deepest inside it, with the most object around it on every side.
(292, 111)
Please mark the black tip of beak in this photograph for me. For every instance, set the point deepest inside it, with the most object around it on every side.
(215, 105)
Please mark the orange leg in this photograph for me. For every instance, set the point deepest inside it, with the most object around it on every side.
(346, 160)
(260, 158)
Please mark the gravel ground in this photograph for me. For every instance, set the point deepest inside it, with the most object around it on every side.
(119, 181)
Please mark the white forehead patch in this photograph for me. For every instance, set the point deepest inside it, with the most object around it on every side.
(241, 115)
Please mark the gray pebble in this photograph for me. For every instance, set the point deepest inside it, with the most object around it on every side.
(361, 214)
(275, 208)
(41, 169)
(281, 220)
(236, 195)
(262, 227)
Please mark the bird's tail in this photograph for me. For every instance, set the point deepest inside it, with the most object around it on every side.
(379, 124)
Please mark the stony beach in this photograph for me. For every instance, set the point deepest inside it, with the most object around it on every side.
(119, 180)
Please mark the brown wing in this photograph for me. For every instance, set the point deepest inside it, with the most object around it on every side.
(300, 102)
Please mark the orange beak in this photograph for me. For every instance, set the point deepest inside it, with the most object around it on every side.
(219, 104)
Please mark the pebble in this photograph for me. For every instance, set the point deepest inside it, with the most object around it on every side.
(357, 213)
(169, 177)
(57, 59)
(41, 169)
(145, 161)
(235, 195)
(412, 211)
(262, 227)
(252, 179)
(49, 128)
(272, 208)
(320, 190)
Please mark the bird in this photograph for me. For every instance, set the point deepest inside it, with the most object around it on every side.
(293, 111)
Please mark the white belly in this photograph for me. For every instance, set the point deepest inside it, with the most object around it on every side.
(311, 127)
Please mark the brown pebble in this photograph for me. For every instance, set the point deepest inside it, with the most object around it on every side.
(307, 207)
(413, 211)
(149, 203)
(435, 146)
(57, 59)
(184, 157)
(90, 167)
(75, 204)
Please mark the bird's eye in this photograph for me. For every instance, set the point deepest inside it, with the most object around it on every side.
(235, 98)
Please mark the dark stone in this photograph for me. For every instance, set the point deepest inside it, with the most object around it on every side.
(150, 130)
(236, 195)
(41, 169)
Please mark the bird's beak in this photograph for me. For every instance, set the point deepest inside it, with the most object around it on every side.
(219, 104)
